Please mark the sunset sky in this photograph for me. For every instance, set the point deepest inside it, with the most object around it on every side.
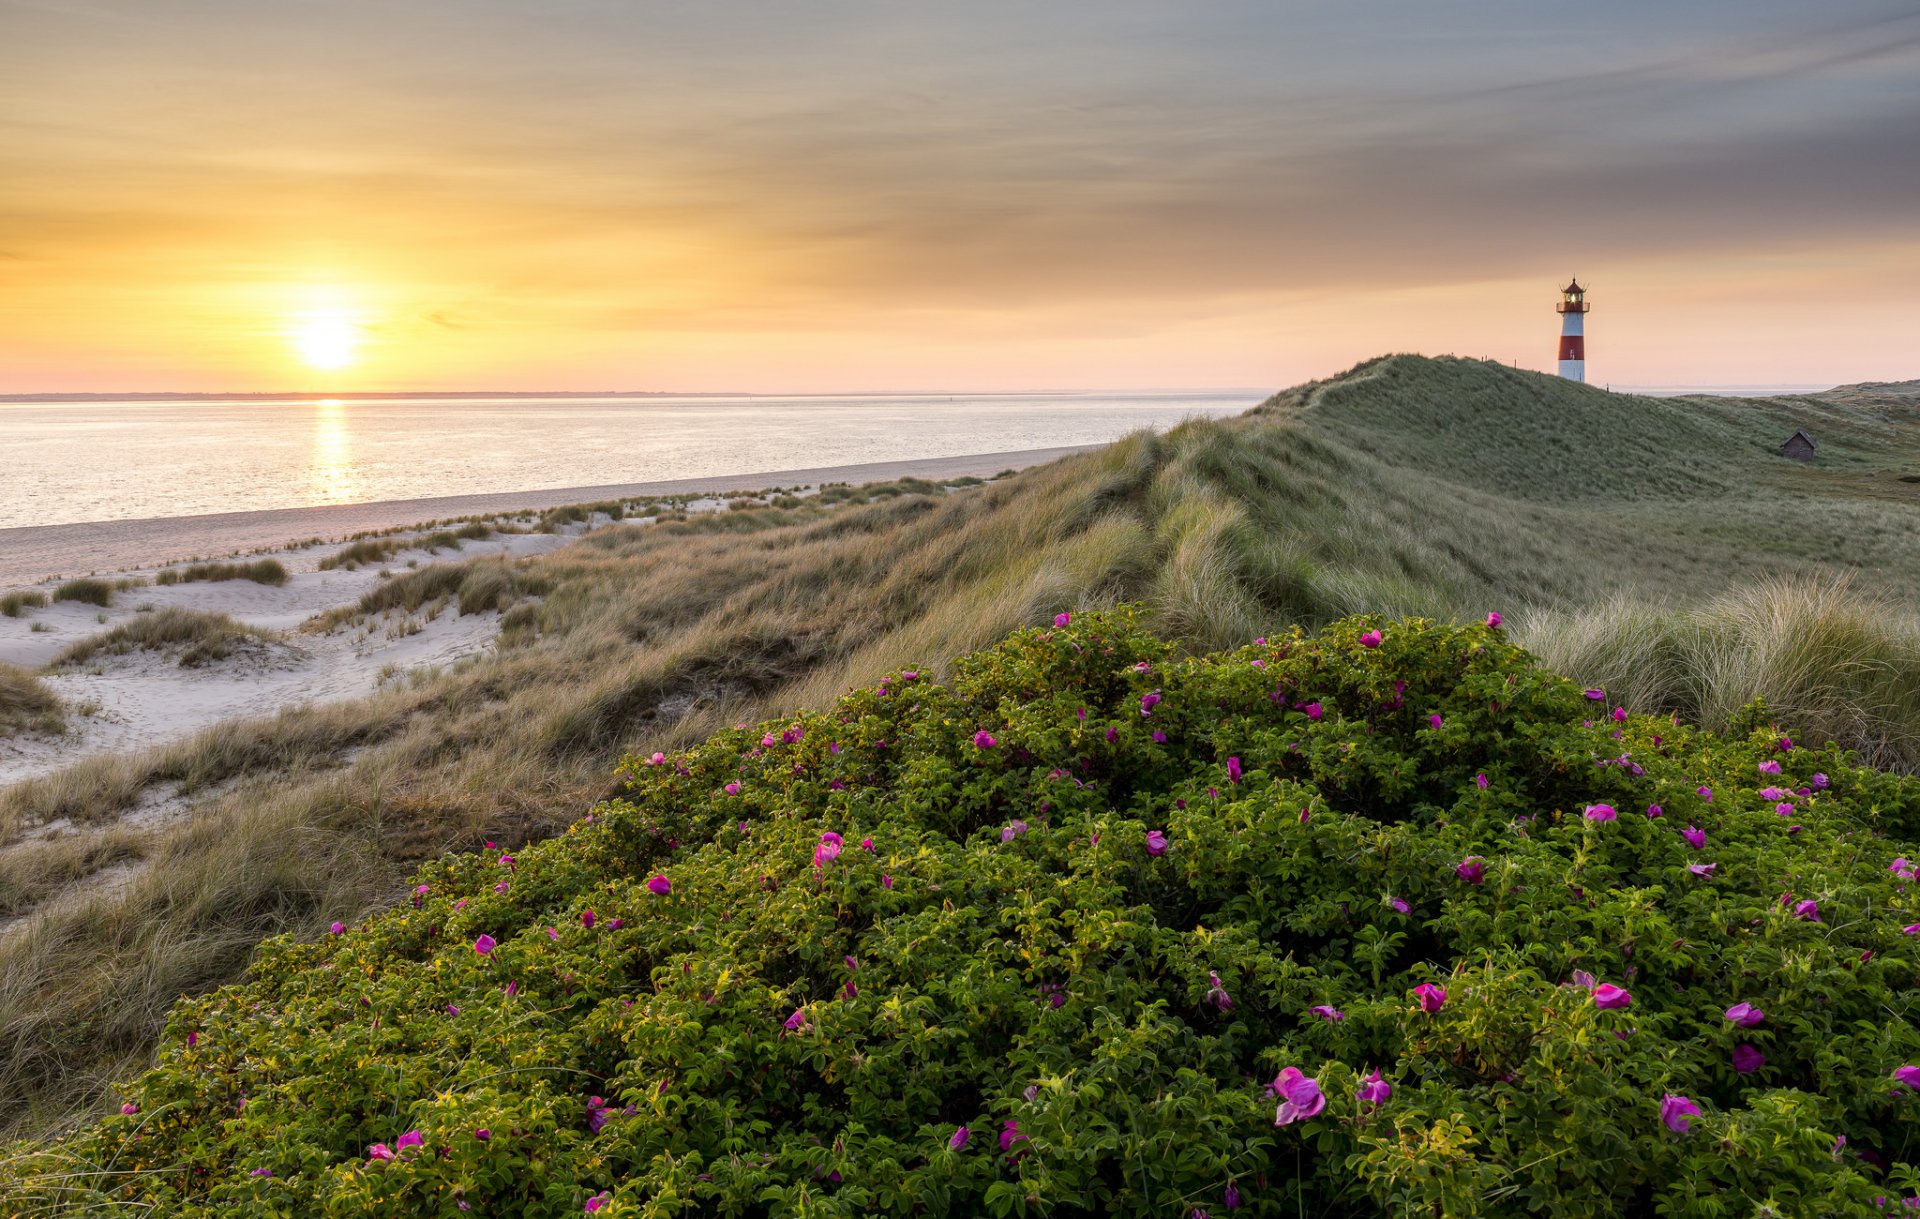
(785, 196)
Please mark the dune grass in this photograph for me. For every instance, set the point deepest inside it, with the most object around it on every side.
(86, 590)
(260, 571)
(26, 705)
(16, 604)
(1402, 487)
(201, 638)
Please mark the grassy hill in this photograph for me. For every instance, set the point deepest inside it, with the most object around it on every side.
(1659, 545)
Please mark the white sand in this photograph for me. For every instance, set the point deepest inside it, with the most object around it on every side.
(147, 698)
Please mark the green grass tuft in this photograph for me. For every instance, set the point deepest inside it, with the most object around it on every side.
(86, 590)
(260, 571)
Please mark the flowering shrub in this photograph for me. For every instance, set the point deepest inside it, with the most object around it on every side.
(1325, 925)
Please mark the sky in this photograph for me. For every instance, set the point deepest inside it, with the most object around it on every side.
(776, 196)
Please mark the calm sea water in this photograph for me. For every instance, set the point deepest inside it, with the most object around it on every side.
(94, 461)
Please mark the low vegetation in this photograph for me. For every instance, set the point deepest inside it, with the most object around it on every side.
(1435, 488)
(16, 604)
(86, 590)
(26, 705)
(1382, 921)
(199, 637)
(260, 571)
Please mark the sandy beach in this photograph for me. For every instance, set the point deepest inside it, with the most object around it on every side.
(32, 553)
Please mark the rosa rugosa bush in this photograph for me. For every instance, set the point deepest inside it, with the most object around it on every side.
(1383, 920)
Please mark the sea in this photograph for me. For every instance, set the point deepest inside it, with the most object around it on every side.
(71, 462)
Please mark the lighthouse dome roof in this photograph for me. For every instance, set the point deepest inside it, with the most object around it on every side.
(1573, 286)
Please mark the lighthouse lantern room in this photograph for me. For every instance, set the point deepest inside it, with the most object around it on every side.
(1573, 342)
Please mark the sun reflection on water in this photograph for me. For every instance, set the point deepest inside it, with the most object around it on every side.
(330, 476)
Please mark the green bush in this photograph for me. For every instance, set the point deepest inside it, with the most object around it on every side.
(1035, 943)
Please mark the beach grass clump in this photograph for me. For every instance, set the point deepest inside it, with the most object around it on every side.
(1836, 661)
(361, 553)
(200, 637)
(1377, 920)
(261, 571)
(27, 705)
(16, 604)
(87, 590)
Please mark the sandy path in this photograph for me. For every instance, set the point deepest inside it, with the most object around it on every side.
(32, 553)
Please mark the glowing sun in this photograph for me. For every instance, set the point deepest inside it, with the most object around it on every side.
(326, 338)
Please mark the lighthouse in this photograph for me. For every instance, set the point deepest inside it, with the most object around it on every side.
(1573, 342)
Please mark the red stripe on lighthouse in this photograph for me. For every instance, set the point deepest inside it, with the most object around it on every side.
(1573, 347)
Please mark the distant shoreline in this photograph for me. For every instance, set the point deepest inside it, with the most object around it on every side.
(30, 554)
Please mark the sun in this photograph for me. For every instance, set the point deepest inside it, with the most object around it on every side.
(326, 339)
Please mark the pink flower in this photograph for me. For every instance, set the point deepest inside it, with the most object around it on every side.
(1619, 715)
(129, 1108)
(866, 844)
(1769, 767)
(483, 1134)
(1784, 808)
(412, 1138)
(1432, 998)
(1808, 910)
(1472, 869)
(1747, 1060)
(1597, 696)
(1819, 781)
(958, 1141)
(603, 1198)
(1434, 720)
(1482, 780)
(1706, 793)
(1326, 1012)
(1149, 701)
(379, 1151)
(984, 740)
(1911, 929)
(1610, 997)
(1156, 843)
(1217, 993)
(1677, 1112)
(1695, 836)
(1300, 1097)
(338, 928)
(1400, 904)
(798, 1021)
(1600, 812)
(886, 882)
(1233, 770)
(1655, 812)
(1908, 1076)
(1494, 619)
(1369, 640)
(656, 759)
(1010, 1134)
(732, 789)
(660, 885)
(586, 919)
(828, 849)
(485, 944)
(1373, 1089)
(1062, 619)
(1702, 869)
(1314, 711)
